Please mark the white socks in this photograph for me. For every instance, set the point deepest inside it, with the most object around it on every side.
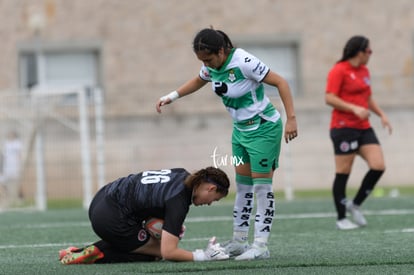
(264, 214)
(243, 208)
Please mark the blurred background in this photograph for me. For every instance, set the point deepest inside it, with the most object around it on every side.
(79, 81)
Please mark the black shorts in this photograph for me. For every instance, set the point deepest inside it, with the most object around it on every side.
(349, 140)
(112, 225)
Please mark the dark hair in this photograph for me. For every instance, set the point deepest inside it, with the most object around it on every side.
(211, 41)
(353, 46)
(212, 175)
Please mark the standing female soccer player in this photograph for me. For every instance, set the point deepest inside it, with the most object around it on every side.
(119, 210)
(237, 77)
(348, 91)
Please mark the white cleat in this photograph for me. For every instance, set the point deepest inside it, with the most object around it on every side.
(346, 224)
(234, 248)
(254, 253)
(357, 215)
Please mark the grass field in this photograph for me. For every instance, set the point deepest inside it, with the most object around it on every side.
(303, 241)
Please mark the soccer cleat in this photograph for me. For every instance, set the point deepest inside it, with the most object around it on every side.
(345, 224)
(357, 215)
(64, 252)
(86, 256)
(234, 248)
(254, 253)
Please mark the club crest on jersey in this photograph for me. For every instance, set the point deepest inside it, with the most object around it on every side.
(142, 235)
(367, 81)
(232, 76)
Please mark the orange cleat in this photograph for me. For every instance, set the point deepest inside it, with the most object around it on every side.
(86, 256)
(64, 252)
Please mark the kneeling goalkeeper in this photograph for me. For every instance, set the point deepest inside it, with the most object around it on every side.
(119, 210)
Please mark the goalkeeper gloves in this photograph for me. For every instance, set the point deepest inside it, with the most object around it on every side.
(213, 252)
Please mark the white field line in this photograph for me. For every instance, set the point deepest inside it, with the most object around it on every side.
(207, 219)
(405, 230)
(388, 212)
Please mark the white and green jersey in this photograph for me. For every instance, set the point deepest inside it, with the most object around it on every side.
(238, 83)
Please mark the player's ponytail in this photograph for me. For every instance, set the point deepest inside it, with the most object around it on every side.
(211, 41)
(227, 42)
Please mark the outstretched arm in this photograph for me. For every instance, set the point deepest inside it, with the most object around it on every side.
(291, 128)
(171, 252)
(187, 88)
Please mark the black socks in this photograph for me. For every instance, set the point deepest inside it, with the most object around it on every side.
(339, 190)
(339, 194)
(368, 183)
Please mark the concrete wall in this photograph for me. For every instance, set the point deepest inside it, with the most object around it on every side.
(146, 44)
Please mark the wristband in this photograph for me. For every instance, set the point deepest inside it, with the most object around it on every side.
(171, 96)
(199, 256)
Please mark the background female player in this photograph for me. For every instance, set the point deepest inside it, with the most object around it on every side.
(118, 210)
(237, 78)
(348, 91)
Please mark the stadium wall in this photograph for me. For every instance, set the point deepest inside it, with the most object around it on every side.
(146, 52)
